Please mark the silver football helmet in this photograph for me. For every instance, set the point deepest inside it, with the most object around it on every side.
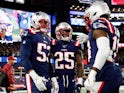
(38, 17)
(64, 31)
(96, 9)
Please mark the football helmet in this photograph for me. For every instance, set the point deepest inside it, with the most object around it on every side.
(64, 31)
(40, 20)
(96, 10)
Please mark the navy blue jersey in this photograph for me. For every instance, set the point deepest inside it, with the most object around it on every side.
(64, 55)
(103, 24)
(35, 48)
(113, 35)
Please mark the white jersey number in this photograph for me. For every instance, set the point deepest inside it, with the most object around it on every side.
(66, 57)
(43, 56)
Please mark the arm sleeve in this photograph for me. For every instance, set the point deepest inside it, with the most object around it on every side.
(103, 52)
(25, 52)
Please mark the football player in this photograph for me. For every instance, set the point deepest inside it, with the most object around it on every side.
(34, 53)
(105, 76)
(68, 59)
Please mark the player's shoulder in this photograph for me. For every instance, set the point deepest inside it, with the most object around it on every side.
(54, 42)
(76, 43)
(101, 23)
(104, 25)
(27, 32)
(102, 20)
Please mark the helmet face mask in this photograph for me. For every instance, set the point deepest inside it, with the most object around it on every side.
(96, 10)
(63, 31)
(41, 21)
(44, 25)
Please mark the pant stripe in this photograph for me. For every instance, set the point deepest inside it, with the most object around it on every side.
(28, 83)
(101, 86)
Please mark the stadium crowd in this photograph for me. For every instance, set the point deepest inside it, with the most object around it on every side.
(10, 49)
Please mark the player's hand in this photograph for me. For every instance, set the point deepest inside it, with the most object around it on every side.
(39, 81)
(82, 38)
(11, 87)
(90, 81)
(79, 85)
(55, 86)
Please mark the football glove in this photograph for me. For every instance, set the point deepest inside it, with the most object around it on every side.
(90, 81)
(55, 86)
(82, 38)
(39, 81)
(79, 85)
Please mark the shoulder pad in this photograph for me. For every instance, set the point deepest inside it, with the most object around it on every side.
(102, 23)
(30, 31)
(77, 43)
(53, 42)
(26, 32)
(99, 23)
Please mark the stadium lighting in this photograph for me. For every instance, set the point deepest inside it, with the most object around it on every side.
(88, 1)
(20, 1)
(16, 1)
(85, 1)
(9, 0)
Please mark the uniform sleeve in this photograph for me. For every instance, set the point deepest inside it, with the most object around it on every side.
(79, 45)
(52, 61)
(25, 52)
(53, 43)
